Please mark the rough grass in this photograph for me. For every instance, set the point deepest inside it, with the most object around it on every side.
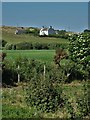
(14, 105)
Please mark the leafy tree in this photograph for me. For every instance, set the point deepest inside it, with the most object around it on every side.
(60, 54)
(80, 51)
(86, 30)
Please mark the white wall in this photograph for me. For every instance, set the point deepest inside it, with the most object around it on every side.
(43, 32)
(50, 31)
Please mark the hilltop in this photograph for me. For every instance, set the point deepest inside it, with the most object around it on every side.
(8, 34)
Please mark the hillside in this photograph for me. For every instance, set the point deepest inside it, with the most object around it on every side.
(9, 36)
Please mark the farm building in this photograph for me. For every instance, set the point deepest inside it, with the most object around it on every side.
(19, 31)
(47, 31)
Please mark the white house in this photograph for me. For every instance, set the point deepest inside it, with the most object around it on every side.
(47, 31)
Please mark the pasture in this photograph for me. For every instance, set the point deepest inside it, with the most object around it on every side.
(42, 55)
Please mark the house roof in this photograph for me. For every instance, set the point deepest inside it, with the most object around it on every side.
(44, 29)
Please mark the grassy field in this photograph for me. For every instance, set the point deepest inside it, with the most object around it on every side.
(9, 36)
(42, 55)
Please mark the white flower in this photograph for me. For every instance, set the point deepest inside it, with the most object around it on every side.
(83, 40)
(81, 51)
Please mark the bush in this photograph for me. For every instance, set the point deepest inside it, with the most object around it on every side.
(73, 71)
(31, 70)
(4, 43)
(56, 74)
(9, 73)
(8, 46)
(86, 30)
(33, 31)
(38, 46)
(44, 95)
(24, 46)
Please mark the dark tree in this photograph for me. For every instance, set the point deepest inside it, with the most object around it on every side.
(60, 54)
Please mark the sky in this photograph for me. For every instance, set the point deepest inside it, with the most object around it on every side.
(45, 0)
(71, 16)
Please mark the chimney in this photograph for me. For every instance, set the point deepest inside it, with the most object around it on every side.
(50, 27)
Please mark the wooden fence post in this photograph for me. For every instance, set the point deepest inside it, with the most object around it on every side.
(18, 74)
(44, 71)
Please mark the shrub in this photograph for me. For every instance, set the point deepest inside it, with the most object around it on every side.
(33, 31)
(44, 95)
(38, 46)
(24, 46)
(86, 30)
(4, 43)
(8, 46)
(9, 73)
(56, 75)
(73, 71)
(29, 69)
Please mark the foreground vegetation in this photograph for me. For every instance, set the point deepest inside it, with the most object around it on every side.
(15, 106)
(43, 95)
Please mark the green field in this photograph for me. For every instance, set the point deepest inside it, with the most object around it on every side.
(42, 55)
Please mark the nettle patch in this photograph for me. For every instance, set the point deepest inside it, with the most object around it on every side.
(80, 51)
